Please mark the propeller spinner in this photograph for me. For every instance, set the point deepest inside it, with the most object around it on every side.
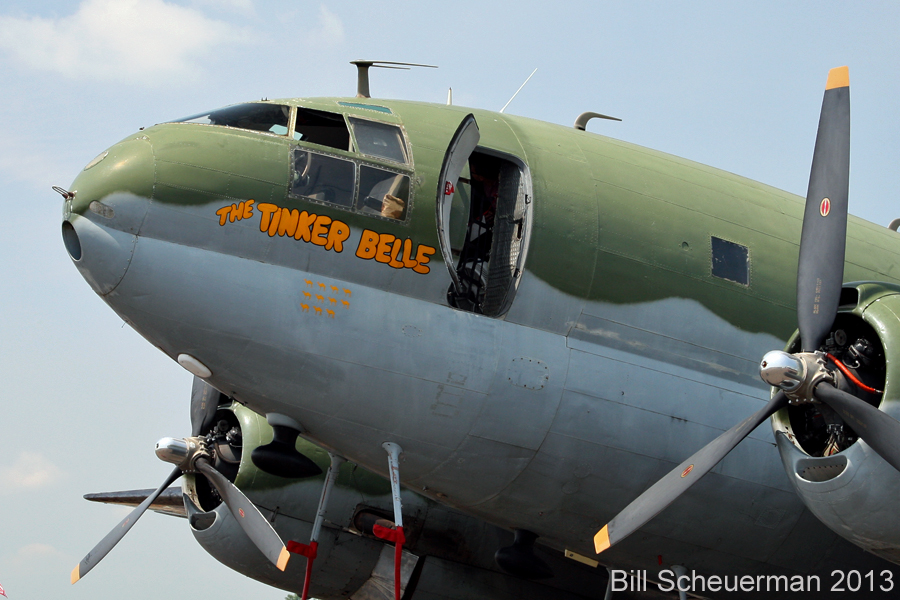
(192, 455)
(801, 377)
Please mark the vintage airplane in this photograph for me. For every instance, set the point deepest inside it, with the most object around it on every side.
(600, 314)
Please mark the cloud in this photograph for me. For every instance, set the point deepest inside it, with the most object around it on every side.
(38, 558)
(239, 6)
(30, 471)
(329, 31)
(138, 41)
(37, 551)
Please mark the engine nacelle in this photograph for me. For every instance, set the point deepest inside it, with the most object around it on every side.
(445, 549)
(839, 477)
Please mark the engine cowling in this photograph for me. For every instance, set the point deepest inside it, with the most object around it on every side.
(839, 477)
(444, 548)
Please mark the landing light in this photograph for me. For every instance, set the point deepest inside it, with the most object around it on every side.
(194, 366)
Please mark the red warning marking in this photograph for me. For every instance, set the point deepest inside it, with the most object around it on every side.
(825, 207)
(687, 471)
(449, 189)
(241, 510)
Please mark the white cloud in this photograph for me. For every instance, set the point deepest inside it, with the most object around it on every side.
(329, 31)
(141, 41)
(31, 470)
(239, 6)
(37, 551)
(38, 558)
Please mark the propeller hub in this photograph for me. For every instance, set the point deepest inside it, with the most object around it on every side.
(183, 452)
(795, 374)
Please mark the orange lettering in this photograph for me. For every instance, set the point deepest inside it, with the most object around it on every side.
(408, 261)
(248, 209)
(320, 228)
(276, 219)
(368, 245)
(223, 214)
(384, 248)
(304, 223)
(288, 223)
(337, 235)
(395, 252)
(422, 258)
(265, 210)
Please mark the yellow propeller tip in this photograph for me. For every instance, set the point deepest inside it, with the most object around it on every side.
(76, 574)
(283, 559)
(838, 77)
(601, 540)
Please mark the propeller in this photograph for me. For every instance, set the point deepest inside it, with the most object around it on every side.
(802, 377)
(191, 455)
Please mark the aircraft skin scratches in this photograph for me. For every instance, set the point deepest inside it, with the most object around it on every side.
(616, 352)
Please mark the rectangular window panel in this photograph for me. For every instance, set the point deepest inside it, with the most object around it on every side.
(383, 193)
(323, 178)
(730, 261)
(323, 128)
(380, 140)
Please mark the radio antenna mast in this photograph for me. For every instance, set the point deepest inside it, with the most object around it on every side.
(518, 90)
(362, 72)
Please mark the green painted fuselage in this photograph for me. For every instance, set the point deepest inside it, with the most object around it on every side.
(621, 351)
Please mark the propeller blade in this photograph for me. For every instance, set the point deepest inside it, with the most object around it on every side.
(880, 431)
(676, 482)
(247, 515)
(204, 402)
(820, 271)
(112, 538)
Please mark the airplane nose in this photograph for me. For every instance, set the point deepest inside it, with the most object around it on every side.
(101, 221)
(100, 254)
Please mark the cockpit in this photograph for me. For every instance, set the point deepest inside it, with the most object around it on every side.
(355, 164)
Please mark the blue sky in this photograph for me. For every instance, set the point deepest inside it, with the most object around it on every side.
(734, 85)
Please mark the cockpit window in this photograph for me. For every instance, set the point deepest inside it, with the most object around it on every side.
(351, 185)
(382, 193)
(272, 118)
(323, 178)
(323, 128)
(380, 140)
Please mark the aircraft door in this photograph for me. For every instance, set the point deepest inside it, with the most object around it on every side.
(461, 147)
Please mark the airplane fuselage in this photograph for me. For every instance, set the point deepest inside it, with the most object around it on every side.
(651, 287)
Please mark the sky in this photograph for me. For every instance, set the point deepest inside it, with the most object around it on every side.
(734, 85)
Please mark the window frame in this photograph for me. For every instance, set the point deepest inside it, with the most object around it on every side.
(406, 149)
(358, 160)
(712, 261)
(291, 120)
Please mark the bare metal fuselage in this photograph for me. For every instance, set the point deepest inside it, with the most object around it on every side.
(619, 355)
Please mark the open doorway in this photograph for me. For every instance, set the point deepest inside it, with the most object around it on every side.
(488, 232)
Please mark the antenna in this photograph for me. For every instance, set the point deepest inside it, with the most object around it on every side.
(449, 96)
(582, 120)
(518, 90)
(362, 72)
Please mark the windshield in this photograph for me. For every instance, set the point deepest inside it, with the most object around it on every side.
(272, 118)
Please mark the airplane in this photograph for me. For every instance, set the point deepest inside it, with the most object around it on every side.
(529, 323)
